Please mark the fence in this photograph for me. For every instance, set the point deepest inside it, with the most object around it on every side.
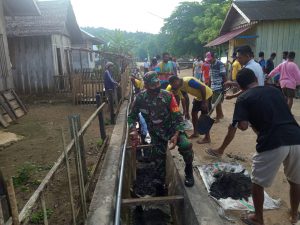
(62, 84)
(86, 83)
(74, 151)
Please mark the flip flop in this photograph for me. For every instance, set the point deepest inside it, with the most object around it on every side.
(210, 152)
(200, 142)
(193, 136)
(245, 219)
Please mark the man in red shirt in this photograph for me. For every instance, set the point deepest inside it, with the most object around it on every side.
(205, 72)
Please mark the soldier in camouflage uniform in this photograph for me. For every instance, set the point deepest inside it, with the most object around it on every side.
(164, 121)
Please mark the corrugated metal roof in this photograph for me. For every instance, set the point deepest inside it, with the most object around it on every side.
(226, 37)
(270, 9)
(92, 38)
(57, 17)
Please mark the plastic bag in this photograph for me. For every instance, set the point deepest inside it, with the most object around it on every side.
(188, 125)
(207, 172)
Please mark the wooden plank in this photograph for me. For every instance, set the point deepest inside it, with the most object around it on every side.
(7, 109)
(139, 147)
(3, 121)
(8, 95)
(13, 202)
(19, 101)
(19, 112)
(152, 200)
(14, 104)
(7, 118)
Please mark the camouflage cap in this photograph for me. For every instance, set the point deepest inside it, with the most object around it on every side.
(151, 78)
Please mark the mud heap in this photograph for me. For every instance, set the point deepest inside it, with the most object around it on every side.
(231, 185)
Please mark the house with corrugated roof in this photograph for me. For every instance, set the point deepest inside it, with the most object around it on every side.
(84, 54)
(11, 8)
(265, 25)
(40, 47)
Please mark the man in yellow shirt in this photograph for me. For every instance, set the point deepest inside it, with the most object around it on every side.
(201, 102)
(236, 67)
(137, 83)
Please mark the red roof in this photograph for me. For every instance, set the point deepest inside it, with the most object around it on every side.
(226, 37)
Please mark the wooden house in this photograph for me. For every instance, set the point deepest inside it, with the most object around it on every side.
(84, 54)
(40, 46)
(11, 8)
(265, 25)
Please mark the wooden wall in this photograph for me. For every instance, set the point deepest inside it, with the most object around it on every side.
(32, 64)
(6, 79)
(35, 62)
(278, 36)
(63, 43)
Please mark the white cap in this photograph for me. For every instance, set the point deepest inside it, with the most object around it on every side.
(108, 64)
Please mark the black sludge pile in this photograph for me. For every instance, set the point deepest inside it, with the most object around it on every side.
(233, 185)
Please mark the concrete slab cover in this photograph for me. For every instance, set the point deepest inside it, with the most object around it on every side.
(7, 138)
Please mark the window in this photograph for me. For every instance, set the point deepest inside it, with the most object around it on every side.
(91, 57)
(59, 62)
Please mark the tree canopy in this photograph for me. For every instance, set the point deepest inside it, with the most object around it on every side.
(184, 33)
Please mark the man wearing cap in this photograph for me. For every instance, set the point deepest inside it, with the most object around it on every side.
(110, 84)
(217, 74)
(164, 121)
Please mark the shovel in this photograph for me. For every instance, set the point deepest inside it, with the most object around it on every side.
(205, 122)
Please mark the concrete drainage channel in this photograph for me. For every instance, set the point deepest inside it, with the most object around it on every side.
(181, 206)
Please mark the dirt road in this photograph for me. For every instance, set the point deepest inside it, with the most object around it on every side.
(244, 145)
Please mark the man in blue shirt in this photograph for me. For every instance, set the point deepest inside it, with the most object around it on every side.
(110, 85)
(217, 74)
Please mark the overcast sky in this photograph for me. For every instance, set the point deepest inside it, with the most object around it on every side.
(129, 15)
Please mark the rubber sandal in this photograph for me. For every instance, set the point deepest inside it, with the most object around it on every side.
(246, 220)
(194, 136)
(201, 142)
(210, 152)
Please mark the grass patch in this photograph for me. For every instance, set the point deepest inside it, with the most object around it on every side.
(25, 174)
(38, 217)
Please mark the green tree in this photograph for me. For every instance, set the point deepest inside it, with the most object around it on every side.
(119, 43)
(210, 22)
(178, 29)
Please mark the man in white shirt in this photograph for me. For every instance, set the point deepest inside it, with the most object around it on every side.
(146, 65)
(245, 58)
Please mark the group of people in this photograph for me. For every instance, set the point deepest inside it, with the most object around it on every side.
(266, 109)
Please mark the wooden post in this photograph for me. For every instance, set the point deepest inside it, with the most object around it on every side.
(81, 145)
(79, 168)
(100, 117)
(13, 202)
(69, 177)
(44, 208)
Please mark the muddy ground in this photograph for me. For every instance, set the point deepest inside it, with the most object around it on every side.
(30, 159)
(244, 145)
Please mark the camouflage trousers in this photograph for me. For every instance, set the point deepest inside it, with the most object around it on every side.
(158, 154)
